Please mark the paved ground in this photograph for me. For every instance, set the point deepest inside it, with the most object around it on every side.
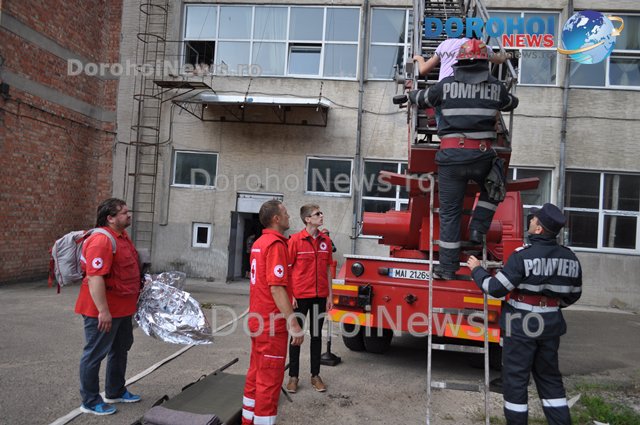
(41, 340)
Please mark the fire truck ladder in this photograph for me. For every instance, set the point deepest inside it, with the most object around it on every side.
(145, 138)
(419, 125)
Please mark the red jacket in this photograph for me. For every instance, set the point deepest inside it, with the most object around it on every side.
(268, 268)
(309, 260)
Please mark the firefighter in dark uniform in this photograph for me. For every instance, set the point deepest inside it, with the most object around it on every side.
(542, 278)
(469, 101)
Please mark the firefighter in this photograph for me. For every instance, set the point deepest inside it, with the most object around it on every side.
(270, 315)
(542, 278)
(469, 101)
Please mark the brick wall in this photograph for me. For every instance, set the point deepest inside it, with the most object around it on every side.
(56, 162)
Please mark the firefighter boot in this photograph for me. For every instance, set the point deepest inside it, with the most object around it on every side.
(292, 386)
(317, 384)
(475, 236)
(440, 273)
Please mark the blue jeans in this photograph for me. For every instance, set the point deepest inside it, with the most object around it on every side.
(116, 344)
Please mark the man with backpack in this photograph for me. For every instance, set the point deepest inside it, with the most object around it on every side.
(107, 301)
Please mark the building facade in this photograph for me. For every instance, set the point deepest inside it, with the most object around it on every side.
(233, 104)
(57, 132)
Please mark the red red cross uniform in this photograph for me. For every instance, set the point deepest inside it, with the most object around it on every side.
(269, 337)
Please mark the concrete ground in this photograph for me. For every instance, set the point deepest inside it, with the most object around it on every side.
(41, 341)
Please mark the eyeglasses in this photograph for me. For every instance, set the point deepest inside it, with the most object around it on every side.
(316, 214)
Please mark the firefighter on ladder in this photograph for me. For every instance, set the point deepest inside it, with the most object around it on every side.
(469, 101)
(270, 315)
(541, 278)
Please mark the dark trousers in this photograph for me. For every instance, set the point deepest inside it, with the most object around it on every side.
(116, 344)
(316, 307)
(522, 357)
(452, 184)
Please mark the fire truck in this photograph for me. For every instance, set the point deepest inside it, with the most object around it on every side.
(375, 297)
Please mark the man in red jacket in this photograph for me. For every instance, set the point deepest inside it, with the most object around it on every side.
(310, 257)
(270, 314)
(108, 298)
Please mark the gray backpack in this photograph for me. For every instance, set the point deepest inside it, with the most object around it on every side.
(66, 253)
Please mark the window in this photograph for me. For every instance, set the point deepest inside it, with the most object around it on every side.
(602, 211)
(329, 176)
(304, 41)
(380, 196)
(195, 169)
(621, 69)
(201, 237)
(534, 197)
(389, 42)
(535, 65)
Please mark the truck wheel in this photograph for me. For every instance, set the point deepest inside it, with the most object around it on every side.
(377, 342)
(495, 358)
(353, 341)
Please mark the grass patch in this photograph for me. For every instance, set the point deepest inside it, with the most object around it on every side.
(595, 408)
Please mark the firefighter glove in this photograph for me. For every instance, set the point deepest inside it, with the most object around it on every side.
(496, 182)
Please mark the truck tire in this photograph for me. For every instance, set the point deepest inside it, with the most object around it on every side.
(377, 342)
(495, 358)
(353, 342)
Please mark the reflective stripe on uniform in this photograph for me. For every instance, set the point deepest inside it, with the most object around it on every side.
(249, 402)
(264, 420)
(559, 289)
(469, 111)
(505, 282)
(486, 205)
(554, 402)
(449, 245)
(516, 407)
(247, 414)
(485, 284)
(532, 308)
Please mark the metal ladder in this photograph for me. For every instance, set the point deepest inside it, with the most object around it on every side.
(146, 131)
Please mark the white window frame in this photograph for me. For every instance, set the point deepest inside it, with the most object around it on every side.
(333, 194)
(634, 54)
(194, 235)
(602, 212)
(548, 49)
(217, 69)
(514, 175)
(193, 186)
(398, 201)
(406, 45)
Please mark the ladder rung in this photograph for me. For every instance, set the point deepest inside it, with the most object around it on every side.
(458, 348)
(460, 386)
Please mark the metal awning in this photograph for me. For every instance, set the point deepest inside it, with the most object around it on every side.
(210, 106)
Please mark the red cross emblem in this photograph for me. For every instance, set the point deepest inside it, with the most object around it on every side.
(278, 271)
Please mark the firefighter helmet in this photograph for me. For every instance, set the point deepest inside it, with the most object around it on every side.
(473, 50)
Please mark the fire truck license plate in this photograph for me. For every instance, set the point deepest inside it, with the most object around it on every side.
(409, 274)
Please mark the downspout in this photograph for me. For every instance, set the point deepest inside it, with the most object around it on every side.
(562, 166)
(357, 201)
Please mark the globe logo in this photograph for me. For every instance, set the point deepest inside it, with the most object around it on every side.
(588, 37)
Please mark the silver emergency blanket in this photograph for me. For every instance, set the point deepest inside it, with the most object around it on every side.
(167, 312)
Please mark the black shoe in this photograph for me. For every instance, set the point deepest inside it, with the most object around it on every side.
(476, 236)
(439, 273)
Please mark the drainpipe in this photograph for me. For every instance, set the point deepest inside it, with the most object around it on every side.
(357, 201)
(562, 166)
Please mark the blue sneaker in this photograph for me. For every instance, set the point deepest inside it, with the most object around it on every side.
(127, 397)
(101, 409)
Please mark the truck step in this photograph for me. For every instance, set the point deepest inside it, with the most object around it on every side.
(459, 386)
(456, 311)
(458, 348)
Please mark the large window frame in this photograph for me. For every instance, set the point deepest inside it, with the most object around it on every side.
(521, 55)
(603, 216)
(603, 68)
(286, 44)
(328, 178)
(399, 197)
(374, 44)
(178, 173)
